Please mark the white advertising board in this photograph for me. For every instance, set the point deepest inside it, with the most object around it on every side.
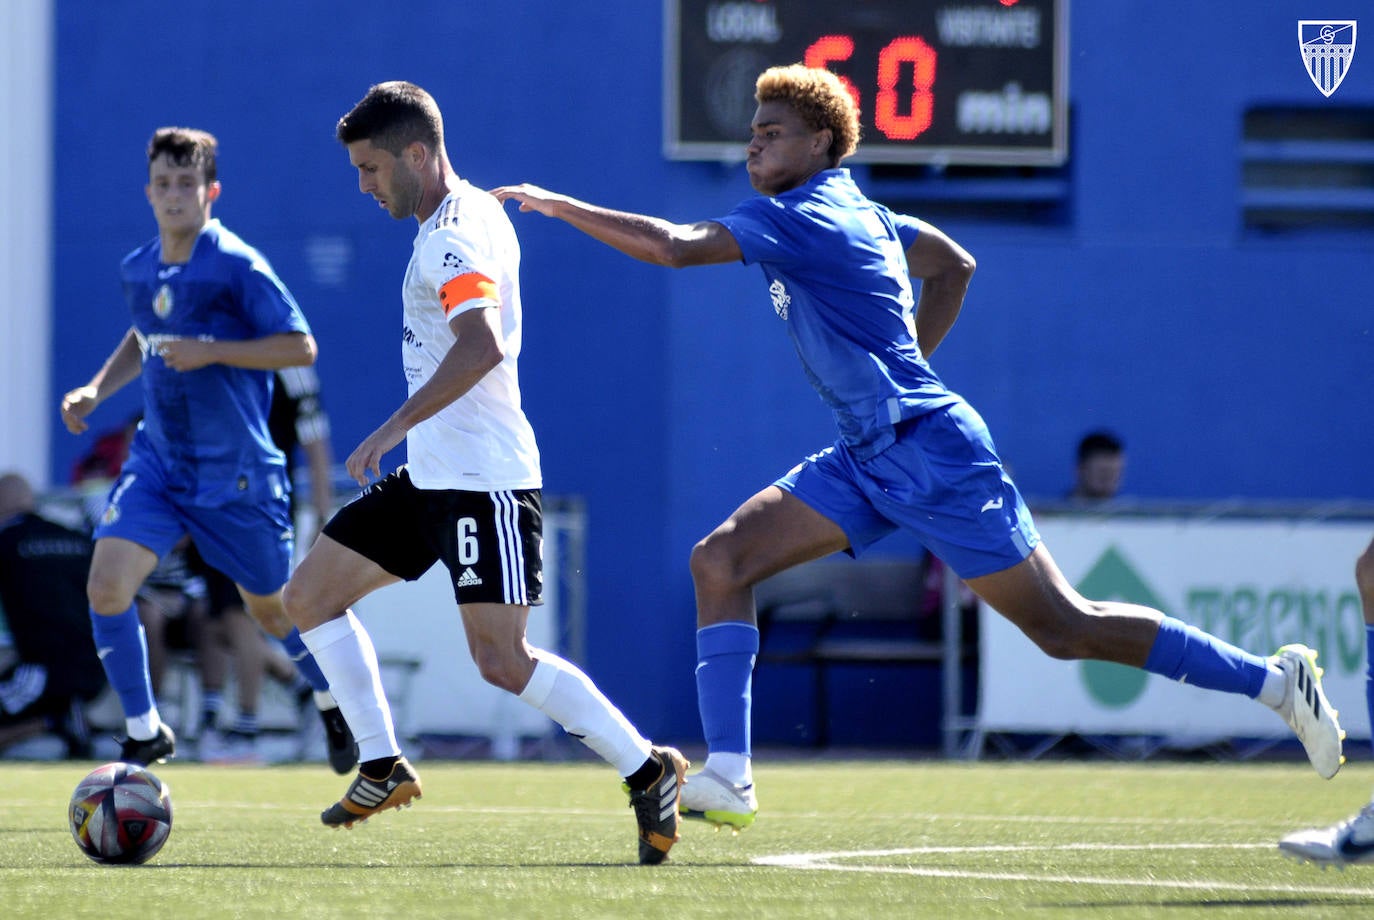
(1258, 584)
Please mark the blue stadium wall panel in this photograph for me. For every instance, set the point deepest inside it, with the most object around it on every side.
(1234, 363)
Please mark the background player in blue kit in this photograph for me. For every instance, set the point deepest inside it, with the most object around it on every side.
(911, 454)
(211, 322)
(51, 672)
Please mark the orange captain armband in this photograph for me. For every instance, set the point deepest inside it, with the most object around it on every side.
(472, 286)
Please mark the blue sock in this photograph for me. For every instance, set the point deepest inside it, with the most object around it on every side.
(1369, 672)
(305, 662)
(246, 723)
(725, 673)
(211, 705)
(1186, 653)
(123, 649)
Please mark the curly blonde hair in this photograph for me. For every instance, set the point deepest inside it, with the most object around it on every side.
(818, 96)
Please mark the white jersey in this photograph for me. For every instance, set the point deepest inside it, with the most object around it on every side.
(467, 258)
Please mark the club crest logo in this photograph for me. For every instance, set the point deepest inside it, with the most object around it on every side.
(162, 302)
(1327, 49)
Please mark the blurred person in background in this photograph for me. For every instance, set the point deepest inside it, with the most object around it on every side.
(1101, 461)
(299, 425)
(54, 670)
(171, 607)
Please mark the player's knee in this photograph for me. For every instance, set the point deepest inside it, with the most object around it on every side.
(1066, 637)
(703, 563)
(715, 570)
(1059, 646)
(273, 618)
(290, 599)
(297, 604)
(107, 594)
(500, 671)
(501, 663)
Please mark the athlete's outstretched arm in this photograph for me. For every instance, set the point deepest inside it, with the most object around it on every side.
(945, 269)
(269, 353)
(124, 364)
(649, 239)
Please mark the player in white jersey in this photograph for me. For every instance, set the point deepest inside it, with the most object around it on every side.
(470, 494)
(466, 252)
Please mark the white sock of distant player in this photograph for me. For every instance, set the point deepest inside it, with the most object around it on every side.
(560, 690)
(345, 654)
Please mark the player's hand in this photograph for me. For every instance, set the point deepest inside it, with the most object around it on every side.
(186, 354)
(530, 197)
(367, 456)
(76, 405)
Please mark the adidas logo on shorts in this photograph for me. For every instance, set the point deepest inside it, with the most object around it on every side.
(468, 579)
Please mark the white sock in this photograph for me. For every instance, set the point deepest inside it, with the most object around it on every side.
(737, 768)
(325, 700)
(560, 690)
(143, 727)
(1274, 687)
(345, 654)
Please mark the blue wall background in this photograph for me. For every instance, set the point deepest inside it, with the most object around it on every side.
(1234, 364)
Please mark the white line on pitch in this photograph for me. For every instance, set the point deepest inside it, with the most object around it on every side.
(825, 862)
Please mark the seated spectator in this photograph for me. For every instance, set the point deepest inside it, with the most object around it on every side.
(187, 606)
(171, 607)
(297, 423)
(43, 568)
(1101, 462)
(231, 639)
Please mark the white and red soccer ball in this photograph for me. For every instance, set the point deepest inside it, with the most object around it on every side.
(120, 813)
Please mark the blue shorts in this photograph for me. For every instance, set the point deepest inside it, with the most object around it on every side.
(941, 480)
(251, 541)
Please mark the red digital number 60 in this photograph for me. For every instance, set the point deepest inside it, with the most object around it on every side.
(904, 49)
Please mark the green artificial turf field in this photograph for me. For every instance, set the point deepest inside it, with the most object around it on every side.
(863, 839)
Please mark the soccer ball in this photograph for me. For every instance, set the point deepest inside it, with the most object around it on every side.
(120, 813)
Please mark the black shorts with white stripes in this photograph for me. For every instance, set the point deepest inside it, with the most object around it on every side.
(490, 541)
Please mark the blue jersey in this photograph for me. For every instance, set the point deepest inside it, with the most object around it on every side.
(837, 274)
(207, 429)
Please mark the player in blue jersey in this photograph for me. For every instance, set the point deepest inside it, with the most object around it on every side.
(211, 322)
(911, 454)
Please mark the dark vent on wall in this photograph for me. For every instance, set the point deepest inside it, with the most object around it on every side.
(1308, 169)
(1036, 195)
